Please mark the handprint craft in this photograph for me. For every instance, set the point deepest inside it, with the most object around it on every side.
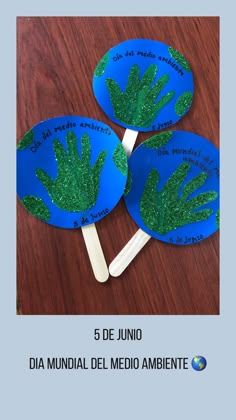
(166, 210)
(138, 105)
(76, 186)
(143, 85)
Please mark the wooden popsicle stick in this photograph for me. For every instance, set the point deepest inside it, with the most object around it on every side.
(137, 242)
(129, 140)
(128, 253)
(95, 253)
(90, 234)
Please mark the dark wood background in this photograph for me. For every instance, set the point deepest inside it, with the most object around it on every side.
(56, 58)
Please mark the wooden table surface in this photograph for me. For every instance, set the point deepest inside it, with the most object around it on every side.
(56, 58)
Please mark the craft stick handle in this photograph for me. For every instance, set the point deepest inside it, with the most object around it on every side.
(128, 253)
(129, 140)
(95, 253)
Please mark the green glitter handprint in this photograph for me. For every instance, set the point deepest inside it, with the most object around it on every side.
(137, 106)
(167, 209)
(77, 183)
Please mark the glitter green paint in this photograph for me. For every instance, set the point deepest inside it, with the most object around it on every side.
(36, 206)
(179, 58)
(137, 106)
(218, 219)
(128, 184)
(77, 183)
(159, 140)
(26, 140)
(120, 159)
(100, 69)
(183, 103)
(166, 210)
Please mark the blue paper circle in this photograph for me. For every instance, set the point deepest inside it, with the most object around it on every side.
(105, 167)
(111, 78)
(201, 155)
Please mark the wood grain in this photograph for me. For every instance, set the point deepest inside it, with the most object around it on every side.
(56, 58)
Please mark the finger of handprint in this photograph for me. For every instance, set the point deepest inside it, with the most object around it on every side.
(150, 189)
(164, 101)
(194, 184)
(201, 200)
(159, 86)
(149, 209)
(199, 216)
(133, 81)
(148, 77)
(72, 146)
(99, 165)
(45, 179)
(177, 178)
(60, 156)
(116, 95)
(60, 153)
(85, 149)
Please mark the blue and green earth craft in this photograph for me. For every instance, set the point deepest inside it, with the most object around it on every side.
(71, 171)
(143, 85)
(172, 192)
